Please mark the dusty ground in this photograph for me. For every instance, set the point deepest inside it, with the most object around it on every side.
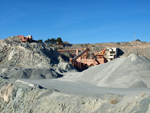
(34, 86)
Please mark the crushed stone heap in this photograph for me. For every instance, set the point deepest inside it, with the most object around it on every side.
(30, 60)
(127, 72)
(26, 55)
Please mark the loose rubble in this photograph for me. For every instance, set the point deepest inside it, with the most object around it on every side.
(33, 79)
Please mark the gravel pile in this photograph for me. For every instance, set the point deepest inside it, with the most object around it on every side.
(30, 60)
(128, 72)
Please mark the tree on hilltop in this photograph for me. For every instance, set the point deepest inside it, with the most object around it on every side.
(137, 40)
(59, 40)
(53, 41)
(47, 41)
(40, 41)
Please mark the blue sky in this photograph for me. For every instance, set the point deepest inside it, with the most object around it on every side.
(76, 21)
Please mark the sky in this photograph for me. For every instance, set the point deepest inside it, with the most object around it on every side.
(76, 21)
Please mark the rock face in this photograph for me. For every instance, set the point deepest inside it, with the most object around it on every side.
(20, 62)
(22, 97)
(26, 55)
(29, 60)
(18, 96)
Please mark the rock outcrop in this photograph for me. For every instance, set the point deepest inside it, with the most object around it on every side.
(26, 55)
(22, 97)
(20, 63)
(30, 60)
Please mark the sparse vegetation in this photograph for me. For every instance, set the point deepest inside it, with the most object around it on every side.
(47, 41)
(59, 40)
(40, 41)
(83, 102)
(118, 43)
(54, 41)
(137, 40)
(113, 101)
(142, 94)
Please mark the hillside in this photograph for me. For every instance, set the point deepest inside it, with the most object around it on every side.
(30, 60)
(95, 90)
(34, 79)
(125, 48)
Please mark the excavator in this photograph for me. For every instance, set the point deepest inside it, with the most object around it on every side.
(25, 39)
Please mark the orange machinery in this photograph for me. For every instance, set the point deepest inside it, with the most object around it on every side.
(84, 59)
(25, 39)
